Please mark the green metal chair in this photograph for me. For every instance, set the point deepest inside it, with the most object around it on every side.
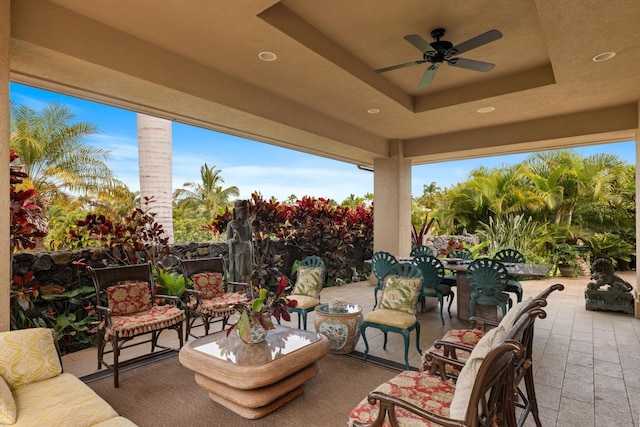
(421, 250)
(432, 274)
(465, 254)
(306, 291)
(396, 312)
(488, 279)
(381, 261)
(511, 255)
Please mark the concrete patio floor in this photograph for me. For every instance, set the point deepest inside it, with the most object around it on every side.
(587, 363)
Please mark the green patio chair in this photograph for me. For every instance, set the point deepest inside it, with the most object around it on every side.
(432, 274)
(306, 291)
(421, 250)
(381, 261)
(488, 279)
(396, 312)
(511, 256)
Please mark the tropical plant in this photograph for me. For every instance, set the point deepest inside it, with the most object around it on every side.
(509, 231)
(171, 282)
(54, 155)
(260, 310)
(208, 195)
(137, 236)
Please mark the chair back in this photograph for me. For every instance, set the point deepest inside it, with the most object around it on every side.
(381, 261)
(421, 250)
(404, 269)
(312, 261)
(509, 255)
(104, 278)
(432, 271)
(487, 277)
(463, 253)
(202, 265)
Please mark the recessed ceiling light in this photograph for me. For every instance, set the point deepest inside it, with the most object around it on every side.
(484, 110)
(605, 56)
(267, 56)
(373, 110)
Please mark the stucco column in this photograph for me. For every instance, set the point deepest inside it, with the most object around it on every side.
(392, 202)
(5, 255)
(635, 285)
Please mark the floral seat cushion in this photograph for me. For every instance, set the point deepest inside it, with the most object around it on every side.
(422, 389)
(157, 317)
(222, 305)
(210, 284)
(129, 298)
(468, 337)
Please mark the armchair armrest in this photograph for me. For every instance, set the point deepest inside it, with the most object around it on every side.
(104, 315)
(482, 324)
(241, 285)
(387, 411)
(172, 299)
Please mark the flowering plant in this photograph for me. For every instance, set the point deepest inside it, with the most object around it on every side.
(451, 249)
(259, 310)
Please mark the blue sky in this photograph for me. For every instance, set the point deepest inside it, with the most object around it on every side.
(250, 165)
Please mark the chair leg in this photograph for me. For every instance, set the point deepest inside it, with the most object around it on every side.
(116, 356)
(101, 344)
(304, 319)
(418, 338)
(384, 345)
(363, 328)
(450, 302)
(188, 328)
(405, 335)
(441, 304)
(531, 396)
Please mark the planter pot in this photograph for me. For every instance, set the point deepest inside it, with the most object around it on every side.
(342, 328)
(566, 270)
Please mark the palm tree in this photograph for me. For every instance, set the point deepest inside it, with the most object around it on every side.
(154, 159)
(54, 154)
(207, 196)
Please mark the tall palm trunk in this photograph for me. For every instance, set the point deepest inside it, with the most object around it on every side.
(154, 157)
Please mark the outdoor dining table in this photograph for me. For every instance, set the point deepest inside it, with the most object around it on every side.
(463, 291)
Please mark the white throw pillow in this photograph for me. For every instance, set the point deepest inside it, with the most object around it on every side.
(469, 372)
(512, 315)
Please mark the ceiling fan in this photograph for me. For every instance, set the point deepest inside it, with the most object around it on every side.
(443, 51)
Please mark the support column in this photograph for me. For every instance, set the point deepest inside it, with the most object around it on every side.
(5, 115)
(635, 285)
(392, 202)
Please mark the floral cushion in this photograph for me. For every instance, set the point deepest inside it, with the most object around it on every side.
(309, 281)
(400, 293)
(468, 337)
(27, 356)
(222, 305)
(210, 284)
(8, 410)
(157, 317)
(469, 372)
(129, 298)
(422, 389)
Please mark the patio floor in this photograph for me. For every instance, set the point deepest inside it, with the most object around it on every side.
(587, 363)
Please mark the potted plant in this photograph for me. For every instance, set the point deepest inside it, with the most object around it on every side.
(564, 258)
(255, 316)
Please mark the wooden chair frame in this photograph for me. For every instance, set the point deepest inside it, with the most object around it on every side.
(104, 278)
(190, 267)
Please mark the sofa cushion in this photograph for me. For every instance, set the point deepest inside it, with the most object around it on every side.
(129, 298)
(60, 401)
(7, 404)
(308, 282)
(28, 355)
(210, 284)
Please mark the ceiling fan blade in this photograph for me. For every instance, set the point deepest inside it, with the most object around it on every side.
(395, 67)
(477, 41)
(471, 64)
(428, 75)
(419, 42)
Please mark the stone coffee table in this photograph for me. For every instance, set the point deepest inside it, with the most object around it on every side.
(255, 379)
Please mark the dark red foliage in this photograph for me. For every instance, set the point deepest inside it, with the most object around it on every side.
(22, 210)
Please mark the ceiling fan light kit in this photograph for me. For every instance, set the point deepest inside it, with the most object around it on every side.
(441, 51)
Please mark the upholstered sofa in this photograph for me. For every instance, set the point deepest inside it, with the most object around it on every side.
(35, 392)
